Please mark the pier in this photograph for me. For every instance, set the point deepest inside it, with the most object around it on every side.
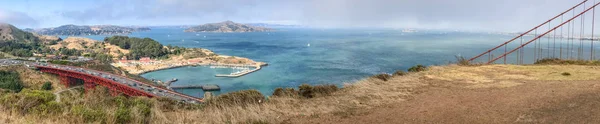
(211, 87)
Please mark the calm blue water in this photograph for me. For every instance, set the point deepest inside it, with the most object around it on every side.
(335, 56)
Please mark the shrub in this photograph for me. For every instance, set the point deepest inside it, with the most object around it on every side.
(10, 80)
(566, 74)
(30, 101)
(240, 98)
(47, 86)
(399, 73)
(51, 107)
(287, 92)
(323, 90)
(122, 115)
(88, 114)
(308, 91)
(557, 61)
(383, 77)
(460, 60)
(417, 68)
(142, 107)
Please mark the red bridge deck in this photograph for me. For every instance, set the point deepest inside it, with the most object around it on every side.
(115, 83)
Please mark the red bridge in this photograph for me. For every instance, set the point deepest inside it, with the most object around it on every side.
(70, 76)
(568, 35)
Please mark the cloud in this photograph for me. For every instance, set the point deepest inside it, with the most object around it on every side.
(162, 10)
(17, 18)
(475, 14)
(501, 15)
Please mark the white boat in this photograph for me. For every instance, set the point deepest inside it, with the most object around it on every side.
(308, 45)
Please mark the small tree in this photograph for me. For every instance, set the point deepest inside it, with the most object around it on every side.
(47, 86)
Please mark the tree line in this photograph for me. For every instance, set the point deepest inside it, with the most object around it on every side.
(139, 47)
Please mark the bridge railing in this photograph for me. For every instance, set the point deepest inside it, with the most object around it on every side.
(568, 35)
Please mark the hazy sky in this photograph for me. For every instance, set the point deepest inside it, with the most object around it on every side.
(499, 15)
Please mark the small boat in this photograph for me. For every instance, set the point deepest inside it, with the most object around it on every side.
(308, 45)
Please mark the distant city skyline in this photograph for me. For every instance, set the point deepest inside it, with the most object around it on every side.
(489, 15)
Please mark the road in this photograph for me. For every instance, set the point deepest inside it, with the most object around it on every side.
(156, 91)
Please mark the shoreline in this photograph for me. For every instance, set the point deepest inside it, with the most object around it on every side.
(257, 65)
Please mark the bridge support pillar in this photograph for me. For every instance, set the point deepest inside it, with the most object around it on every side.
(66, 80)
(114, 92)
(89, 85)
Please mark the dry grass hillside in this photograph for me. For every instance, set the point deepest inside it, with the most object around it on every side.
(495, 93)
(77, 43)
(374, 93)
(86, 44)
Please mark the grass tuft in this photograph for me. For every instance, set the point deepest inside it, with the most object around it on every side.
(383, 77)
(557, 61)
(241, 98)
(417, 68)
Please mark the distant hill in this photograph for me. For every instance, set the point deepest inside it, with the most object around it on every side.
(227, 26)
(9, 33)
(268, 25)
(89, 30)
(17, 42)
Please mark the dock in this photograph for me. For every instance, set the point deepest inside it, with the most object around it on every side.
(258, 67)
(210, 87)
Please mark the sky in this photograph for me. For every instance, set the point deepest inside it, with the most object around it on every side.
(490, 15)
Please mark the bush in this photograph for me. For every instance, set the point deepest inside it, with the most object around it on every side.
(383, 77)
(566, 74)
(47, 86)
(10, 80)
(323, 90)
(460, 60)
(122, 115)
(287, 92)
(399, 73)
(417, 68)
(308, 91)
(28, 101)
(240, 98)
(557, 61)
(88, 114)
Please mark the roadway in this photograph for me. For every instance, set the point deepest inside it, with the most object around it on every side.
(156, 91)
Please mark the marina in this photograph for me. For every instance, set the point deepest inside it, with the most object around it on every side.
(238, 70)
(207, 87)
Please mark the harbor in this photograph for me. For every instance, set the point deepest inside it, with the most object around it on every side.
(207, 87)
(238, 70)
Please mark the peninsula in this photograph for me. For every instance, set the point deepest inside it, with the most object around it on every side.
(72, 30)
(227, 26)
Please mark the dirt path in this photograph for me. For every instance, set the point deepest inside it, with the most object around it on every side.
(532, 102)
(57, 93)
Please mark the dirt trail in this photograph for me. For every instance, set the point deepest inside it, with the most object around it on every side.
(532, 101)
